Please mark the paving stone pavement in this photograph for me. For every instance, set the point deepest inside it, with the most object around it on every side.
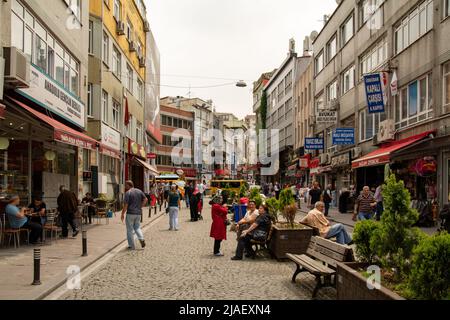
(180, 265)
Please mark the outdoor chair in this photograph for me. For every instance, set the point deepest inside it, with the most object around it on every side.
(11, 232)
(51, 226)
(101, 210)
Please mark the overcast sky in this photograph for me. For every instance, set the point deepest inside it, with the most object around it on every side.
(229, 39)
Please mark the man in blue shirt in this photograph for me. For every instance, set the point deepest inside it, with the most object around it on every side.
(17, 219)
(134, 200)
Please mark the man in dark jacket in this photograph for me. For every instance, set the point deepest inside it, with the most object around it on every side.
(67, 207)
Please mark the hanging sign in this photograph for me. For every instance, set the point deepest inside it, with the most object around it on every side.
(344, 136)
(314, 143)
(324, 117)
(375, 85)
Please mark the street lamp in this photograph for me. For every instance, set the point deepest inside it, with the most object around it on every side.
(241, 84)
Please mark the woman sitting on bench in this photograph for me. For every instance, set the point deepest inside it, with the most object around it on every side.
(258, 231)
(317, 219)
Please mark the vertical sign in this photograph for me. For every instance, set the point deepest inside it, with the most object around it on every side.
(375, 85)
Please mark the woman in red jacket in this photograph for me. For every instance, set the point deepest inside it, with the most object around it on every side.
(219, 213)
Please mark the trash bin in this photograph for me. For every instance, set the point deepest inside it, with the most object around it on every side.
(239, 212)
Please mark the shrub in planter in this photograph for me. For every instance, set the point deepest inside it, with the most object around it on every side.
(430, 271)
(256, 196)
(363, 239)
(287, 206)
(396, 238)
(274, 207)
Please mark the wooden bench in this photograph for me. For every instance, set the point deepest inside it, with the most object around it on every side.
(321, 261)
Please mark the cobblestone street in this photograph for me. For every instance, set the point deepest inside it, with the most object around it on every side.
(180, 265)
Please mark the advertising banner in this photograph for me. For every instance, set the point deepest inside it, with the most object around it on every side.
(314, 143)
(344, 136)
(375, 85)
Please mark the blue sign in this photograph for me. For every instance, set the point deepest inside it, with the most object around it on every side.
(374, 92)
(314, 144)
(344, 136)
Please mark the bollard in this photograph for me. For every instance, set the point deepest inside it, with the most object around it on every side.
(84, 244)
(37, 267)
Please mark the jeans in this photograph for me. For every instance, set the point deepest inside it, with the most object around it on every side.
(187, 200)
(133, 222)
(365, 216)
(35, 231)
(244, 243)
(380, 210)
(327, 208)
(173, 218)
(338, 231)
(217, 246)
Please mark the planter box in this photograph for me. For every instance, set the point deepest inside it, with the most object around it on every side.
(284, 240)
(352, 285)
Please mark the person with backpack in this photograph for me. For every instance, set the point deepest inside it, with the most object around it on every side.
(327, 198)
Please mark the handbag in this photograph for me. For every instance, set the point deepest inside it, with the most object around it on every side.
(227, 222)
(167, 210)
(259, 235)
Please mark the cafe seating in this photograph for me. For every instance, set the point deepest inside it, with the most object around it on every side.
(51, 226)
(13, 233)
(101, 210)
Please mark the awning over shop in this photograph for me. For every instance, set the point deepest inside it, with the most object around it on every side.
(62, 133)
(110, 152)
(147, 166)
(383, 155)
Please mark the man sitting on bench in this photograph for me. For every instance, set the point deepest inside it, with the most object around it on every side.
(317, 219)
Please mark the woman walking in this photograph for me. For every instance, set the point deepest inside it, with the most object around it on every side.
(174, 207)
(219, 213)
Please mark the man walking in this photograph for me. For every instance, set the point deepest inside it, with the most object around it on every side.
(365, 205)
(67, 206)
(314, 194)
(134, 200)
(327, 198)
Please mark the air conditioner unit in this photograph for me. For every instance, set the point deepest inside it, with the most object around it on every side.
(133, 46)
(324, 158)
(356, 152)
(120, 29)
(142, 62)
(146, 26)
(17, 68)
(333, 149)
(334, 103)
(387, 131)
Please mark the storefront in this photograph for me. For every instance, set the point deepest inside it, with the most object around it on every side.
(38, 154)
(134, 167)
(341, 172)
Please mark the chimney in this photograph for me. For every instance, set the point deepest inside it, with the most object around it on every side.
(306, 47)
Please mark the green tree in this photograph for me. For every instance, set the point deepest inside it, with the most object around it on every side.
(263, 110)
(363, 237)
(396, 238)
(287, 206)
(274, 207)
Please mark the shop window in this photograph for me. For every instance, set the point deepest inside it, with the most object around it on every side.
(414, 103)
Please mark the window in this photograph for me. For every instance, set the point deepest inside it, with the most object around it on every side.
(280, 91)
(115, 115)
(414, 103)
(116, 62)
(75, 7)
(348, 81)
(91, 37)
(75, 77)
(446, 10)
(117, 10)
(130, 78)
(319, 63)
(375, 57)
(89, 99)
(414, 26)
(140, 91)
(320, 103)
(105, 48)
(447, 83)
(332, 91)
(86, 160)
(347, 30)
(368, 8)
(129, 31)
(332, 48)
(369, 124)
(139, 137)
(288, 82)
(105, 106)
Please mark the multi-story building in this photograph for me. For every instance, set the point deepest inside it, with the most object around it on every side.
(251, 147)
(177, 149)
(203, 111)
(302, 116)
(407, 44)
(116, 96)
(258, 90)
(42, 144)
(280, 111)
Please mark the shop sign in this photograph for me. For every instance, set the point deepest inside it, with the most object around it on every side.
(191, 173)
(52, 96)
(344, 136)
(324, 117)
(340, 161)
(303, 163)
(110, 152)
(314, 143)
(110, 137)
(136, 149)
(151, 156)
(375, 85)
(73, 140)
(325, 169)
(371, 162)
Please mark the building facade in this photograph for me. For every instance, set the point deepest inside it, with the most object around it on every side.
(407, 44)
(45, 53)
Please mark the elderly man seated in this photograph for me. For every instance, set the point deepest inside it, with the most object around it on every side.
(317, 219)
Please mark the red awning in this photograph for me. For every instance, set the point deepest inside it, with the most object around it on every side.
(107, 151)
(383, 155)
(62, 133)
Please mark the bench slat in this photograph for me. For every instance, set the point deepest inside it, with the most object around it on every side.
(329, 253)
(321, 257)
(339, 248)
(311, 265)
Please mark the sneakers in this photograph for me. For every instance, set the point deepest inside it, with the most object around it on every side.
(142, 243)
(236, 258)
(75, 233)
(218, 254)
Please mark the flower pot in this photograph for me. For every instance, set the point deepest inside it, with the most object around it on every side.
(286, 240)
(352, 285)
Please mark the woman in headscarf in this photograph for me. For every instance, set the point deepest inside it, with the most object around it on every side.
(219, 211)
(194, 200)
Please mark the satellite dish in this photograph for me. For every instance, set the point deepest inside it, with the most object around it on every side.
(314, 36)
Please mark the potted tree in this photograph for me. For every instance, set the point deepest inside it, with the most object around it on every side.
(288, 236)
(395, 259)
